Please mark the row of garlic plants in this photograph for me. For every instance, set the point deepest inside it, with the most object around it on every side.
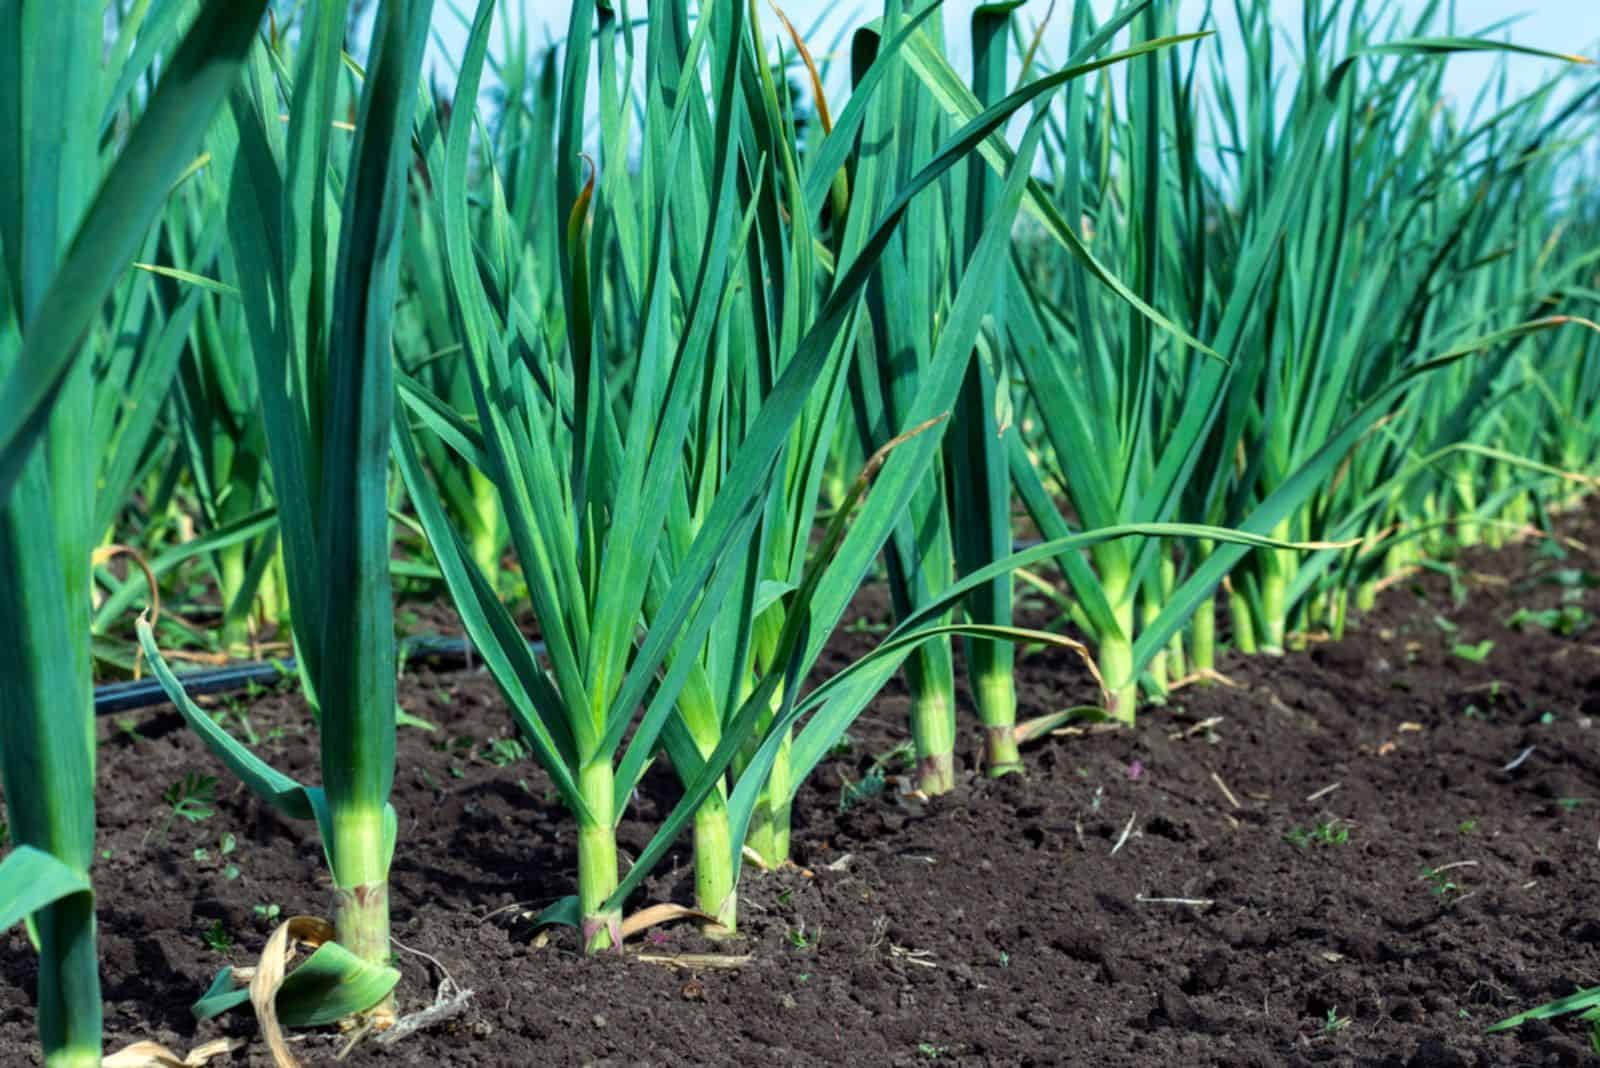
(697, 357)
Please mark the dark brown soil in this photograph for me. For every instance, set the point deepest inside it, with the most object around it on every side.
(1138, 898)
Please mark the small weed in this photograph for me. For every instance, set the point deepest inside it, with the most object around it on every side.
(268, 912)
(1569, 804)
(930, 1051)
(872, 785)
(1467, 826)
(800, 938)
(1334, 1023)
(1439, 882)
(1572, 578)
(903, 755)
(503, 752)
(1328, 832)
(1477, 654)
(786, 896)
(1005, 959)
(246, 731)
(191, 798)
(1568, 620)
(128, 727)
(876, 780)
(217, 938)
(225, 846)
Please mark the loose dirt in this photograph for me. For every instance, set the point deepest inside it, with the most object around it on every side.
(1364, 854)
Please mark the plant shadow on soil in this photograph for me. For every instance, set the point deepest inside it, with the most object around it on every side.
(1250, 917)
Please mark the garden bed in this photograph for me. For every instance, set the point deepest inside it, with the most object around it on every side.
(1361, 854)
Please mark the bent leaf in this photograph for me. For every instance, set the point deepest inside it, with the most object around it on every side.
(31, 879)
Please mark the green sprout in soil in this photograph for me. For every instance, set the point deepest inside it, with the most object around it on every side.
(189, 799)
(1334, 1023)
(871, 785)
(503, 752)
(799, 938)
(1573, 579)
(1477, 654)
(876, 780)
(1328, 832)
(1568, 620)
(246, 731)
(225, 847)
(1550, 549)
(217, 938)
(1467, 826)
(1439, 883)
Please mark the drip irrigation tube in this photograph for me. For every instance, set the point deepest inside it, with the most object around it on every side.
(144, 693)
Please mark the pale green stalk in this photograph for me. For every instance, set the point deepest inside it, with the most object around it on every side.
(70, 223)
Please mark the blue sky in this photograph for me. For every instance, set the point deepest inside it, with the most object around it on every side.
(1560, 25)
(1571, 26)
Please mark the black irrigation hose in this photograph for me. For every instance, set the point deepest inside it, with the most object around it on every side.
(145, 693)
